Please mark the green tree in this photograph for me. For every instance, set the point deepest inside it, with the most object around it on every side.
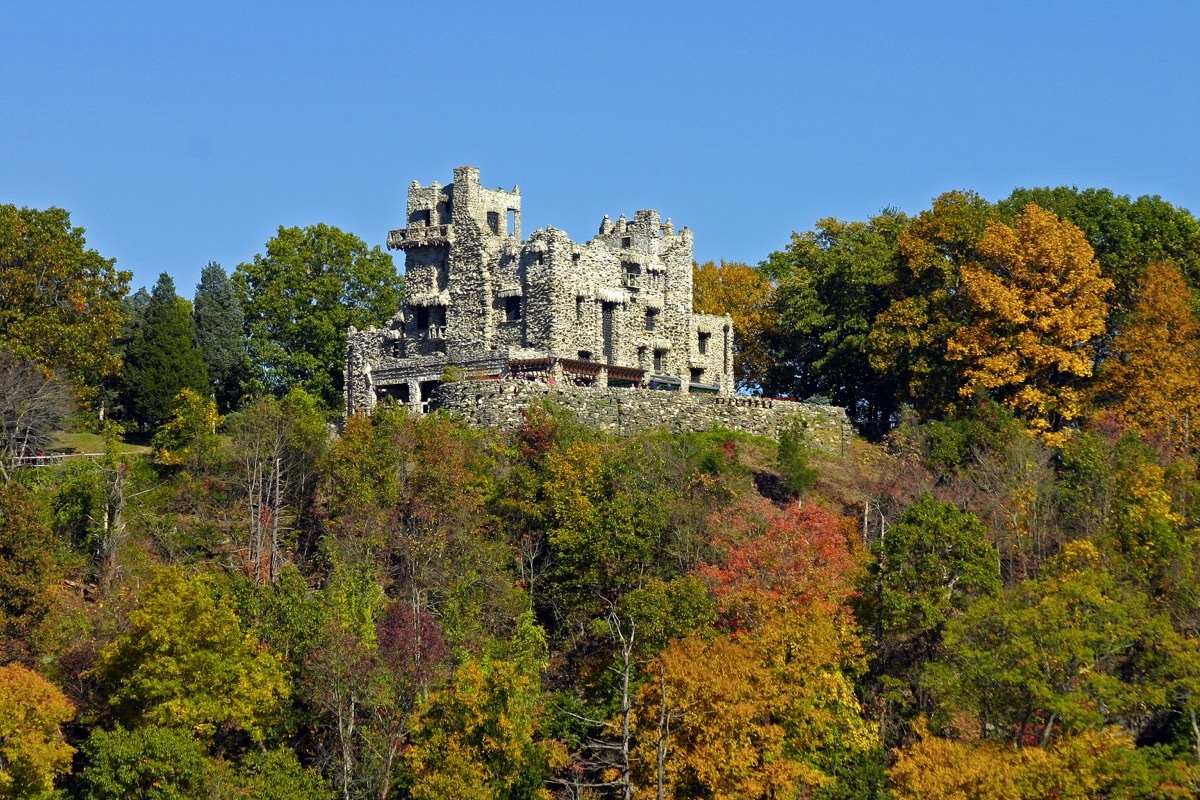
(302, 296)
(926, 570)
(32, 750)
(60, 303)
(162, 358)
(189, 437)
(186, 662)
(269, 775)
(221, 335)
(26, 569)
(909, 339)
(1064, 652)
(147, 763)
(410, 493)
(930, 566)
(833, 282)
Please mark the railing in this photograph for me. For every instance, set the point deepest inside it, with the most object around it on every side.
(417, 236)
(50, 459)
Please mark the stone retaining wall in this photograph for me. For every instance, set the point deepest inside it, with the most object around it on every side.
(498, 403)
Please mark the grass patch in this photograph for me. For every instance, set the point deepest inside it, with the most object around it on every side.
(85, 442)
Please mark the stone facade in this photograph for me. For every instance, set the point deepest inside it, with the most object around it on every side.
(600, 327)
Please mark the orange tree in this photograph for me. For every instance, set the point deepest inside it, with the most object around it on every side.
(1151, 381)
(1034, 303)
(746, 295)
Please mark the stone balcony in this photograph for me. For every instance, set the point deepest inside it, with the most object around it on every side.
(420, 236)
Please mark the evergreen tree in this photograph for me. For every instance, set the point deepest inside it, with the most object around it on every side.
(220, 336)
(161, 357)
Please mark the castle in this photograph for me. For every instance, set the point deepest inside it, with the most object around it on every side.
(491, 323)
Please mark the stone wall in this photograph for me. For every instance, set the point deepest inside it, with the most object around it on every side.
(498, 403)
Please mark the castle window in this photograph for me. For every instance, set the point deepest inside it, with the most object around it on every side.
(697, 375)
(659, 358)
(631, 273)
(422, 319)
(702, 344)
(579, 308)
(585, 355)
(420, 218)
(512, 309)
(626, 241)
(493, 222)
(651, 318)
(444, 216)
(510, 222)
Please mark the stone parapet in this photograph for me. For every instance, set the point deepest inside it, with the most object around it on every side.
(623, 412)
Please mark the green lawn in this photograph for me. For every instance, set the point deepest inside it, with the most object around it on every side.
(82, 442)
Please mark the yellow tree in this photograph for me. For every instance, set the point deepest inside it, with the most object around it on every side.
(1035, 303)
(745, 294)
(32, 751)
(1151, 383)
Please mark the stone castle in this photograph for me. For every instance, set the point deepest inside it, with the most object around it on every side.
(491, 323)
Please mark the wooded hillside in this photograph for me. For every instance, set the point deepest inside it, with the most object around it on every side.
(991, 593)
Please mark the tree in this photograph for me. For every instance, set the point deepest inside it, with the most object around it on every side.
(908, 341)
(220, 334)
(411, 657)
(162, 357)
(1061, 653)
(770, 559)
(277, 444)
(26, 569)
(408, 493)
(477, 738)
(1126, 234)
(271, 775)
(186, 662)
(746, 295)
(1093, 764)
(833, 282)
(146, 763)
(1151, 380)
(33, 404)
(302, 296)
(926, 570)
(32, 750)
(60, 303)
(1035, 304)
(767, 707)
(189, 437)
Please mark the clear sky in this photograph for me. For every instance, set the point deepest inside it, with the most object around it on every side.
(179, 133)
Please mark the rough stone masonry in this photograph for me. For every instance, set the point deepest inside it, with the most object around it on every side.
(491, 323)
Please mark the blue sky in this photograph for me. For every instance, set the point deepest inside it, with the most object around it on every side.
(178, 133)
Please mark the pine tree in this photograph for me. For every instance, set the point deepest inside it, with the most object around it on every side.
(220, 336)
(161, 357)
